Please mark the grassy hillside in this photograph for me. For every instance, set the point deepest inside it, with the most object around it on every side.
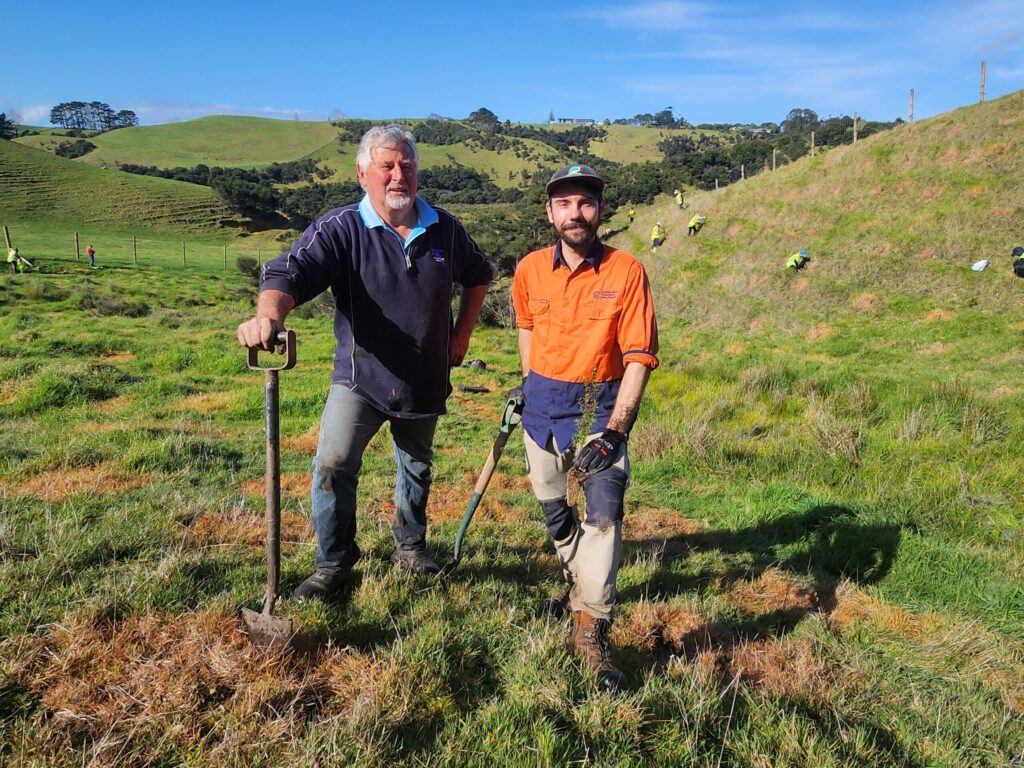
(823, 542)
(224, 141)
(36, 186)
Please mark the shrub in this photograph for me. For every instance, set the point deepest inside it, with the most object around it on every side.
(250, 268)
(110, 305)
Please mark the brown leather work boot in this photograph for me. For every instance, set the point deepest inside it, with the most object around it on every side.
(590, 638)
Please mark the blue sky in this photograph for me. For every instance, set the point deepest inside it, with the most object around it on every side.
(709, 61)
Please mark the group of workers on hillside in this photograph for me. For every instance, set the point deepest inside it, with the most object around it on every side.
(588, 341)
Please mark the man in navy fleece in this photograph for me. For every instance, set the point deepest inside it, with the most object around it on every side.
(391, 262)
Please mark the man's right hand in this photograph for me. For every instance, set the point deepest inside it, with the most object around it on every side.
(260, 333)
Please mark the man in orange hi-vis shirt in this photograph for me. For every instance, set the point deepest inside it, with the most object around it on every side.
(588, 342)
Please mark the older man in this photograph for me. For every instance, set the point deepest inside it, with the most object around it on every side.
(390, 261)
(588, 341)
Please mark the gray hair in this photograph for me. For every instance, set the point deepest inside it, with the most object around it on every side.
(391, 136)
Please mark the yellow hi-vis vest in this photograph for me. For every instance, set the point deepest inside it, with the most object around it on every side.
(12, 256)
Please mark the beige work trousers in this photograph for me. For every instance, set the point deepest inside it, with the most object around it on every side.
(589, 554)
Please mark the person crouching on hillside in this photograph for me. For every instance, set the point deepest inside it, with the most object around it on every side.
(391, 262)
(588, 341)
(1017, 259)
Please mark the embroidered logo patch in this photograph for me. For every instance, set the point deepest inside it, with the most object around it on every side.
(605, 294)
(437, 255)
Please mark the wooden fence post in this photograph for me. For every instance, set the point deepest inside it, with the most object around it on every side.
(911, 106)
(135, 250)
(716, 185)
(743, 172)
(78, 252)
(225, 257)
(774, 153)
(7, 237)
(183, 262)
(854, 127)
(982, 81)
(812, 143)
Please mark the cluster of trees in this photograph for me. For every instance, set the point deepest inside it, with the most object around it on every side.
(91, 116)
(73, 149)
(662, 119)
(249, 192)
(7, 127)
(795, 139)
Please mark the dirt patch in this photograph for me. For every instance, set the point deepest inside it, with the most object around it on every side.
(292, 484)
(931, 193)
(304, 443)
(734, 231)
(759, 323)
(818, 332)
(877, 190)
(62, 484)
(117, 357)
(657, 523)
(939, 315)
(938, 348)
(449, 502)
(249, 528)
(865, 301)
(975, 192)
(800, 285)
(734, 348)
(949, 157)
(1005, 213)
(925, 254)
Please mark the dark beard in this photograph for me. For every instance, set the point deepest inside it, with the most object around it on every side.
(580, 238)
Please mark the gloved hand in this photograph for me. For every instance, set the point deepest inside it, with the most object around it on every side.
(600, 452)
(516, 393)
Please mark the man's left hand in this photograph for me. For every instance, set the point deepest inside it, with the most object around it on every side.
(601, 452)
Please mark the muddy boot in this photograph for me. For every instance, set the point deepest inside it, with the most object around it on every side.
(590, 638)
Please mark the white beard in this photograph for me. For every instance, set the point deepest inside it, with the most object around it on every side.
(398, 203)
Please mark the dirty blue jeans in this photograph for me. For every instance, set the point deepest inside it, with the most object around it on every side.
(348, 424)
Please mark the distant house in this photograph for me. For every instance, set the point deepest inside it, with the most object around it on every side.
(572, 121)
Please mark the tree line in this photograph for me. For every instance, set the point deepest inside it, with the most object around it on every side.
(91, 116)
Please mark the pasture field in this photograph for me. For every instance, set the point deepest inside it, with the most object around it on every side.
(822, 561)
(823, 558)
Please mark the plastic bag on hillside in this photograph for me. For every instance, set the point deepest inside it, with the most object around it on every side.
(978, 266)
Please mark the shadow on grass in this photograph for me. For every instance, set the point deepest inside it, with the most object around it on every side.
(827, 543)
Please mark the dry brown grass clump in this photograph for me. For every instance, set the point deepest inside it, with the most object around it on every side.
(671, 628)
(773, 592)
(62, 484)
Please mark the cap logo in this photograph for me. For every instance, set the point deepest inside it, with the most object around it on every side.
(573, 169)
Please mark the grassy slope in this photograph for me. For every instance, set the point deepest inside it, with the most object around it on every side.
(38, 187)
(224, 141)
(823, 550)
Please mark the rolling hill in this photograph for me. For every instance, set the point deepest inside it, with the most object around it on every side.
(36, 186)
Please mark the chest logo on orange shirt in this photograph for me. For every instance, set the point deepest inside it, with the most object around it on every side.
(605, 295)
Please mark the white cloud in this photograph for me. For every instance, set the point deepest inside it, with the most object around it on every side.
(37, 114)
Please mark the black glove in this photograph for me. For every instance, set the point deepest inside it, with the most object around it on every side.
(600, 452)
(516, 393)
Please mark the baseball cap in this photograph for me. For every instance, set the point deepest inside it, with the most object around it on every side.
(583, 174)
(1018, 251)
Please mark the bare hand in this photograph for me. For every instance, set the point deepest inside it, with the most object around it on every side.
(460, 346)
(260, 333)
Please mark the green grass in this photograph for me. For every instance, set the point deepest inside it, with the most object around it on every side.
(246, 142)
(824, 537)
